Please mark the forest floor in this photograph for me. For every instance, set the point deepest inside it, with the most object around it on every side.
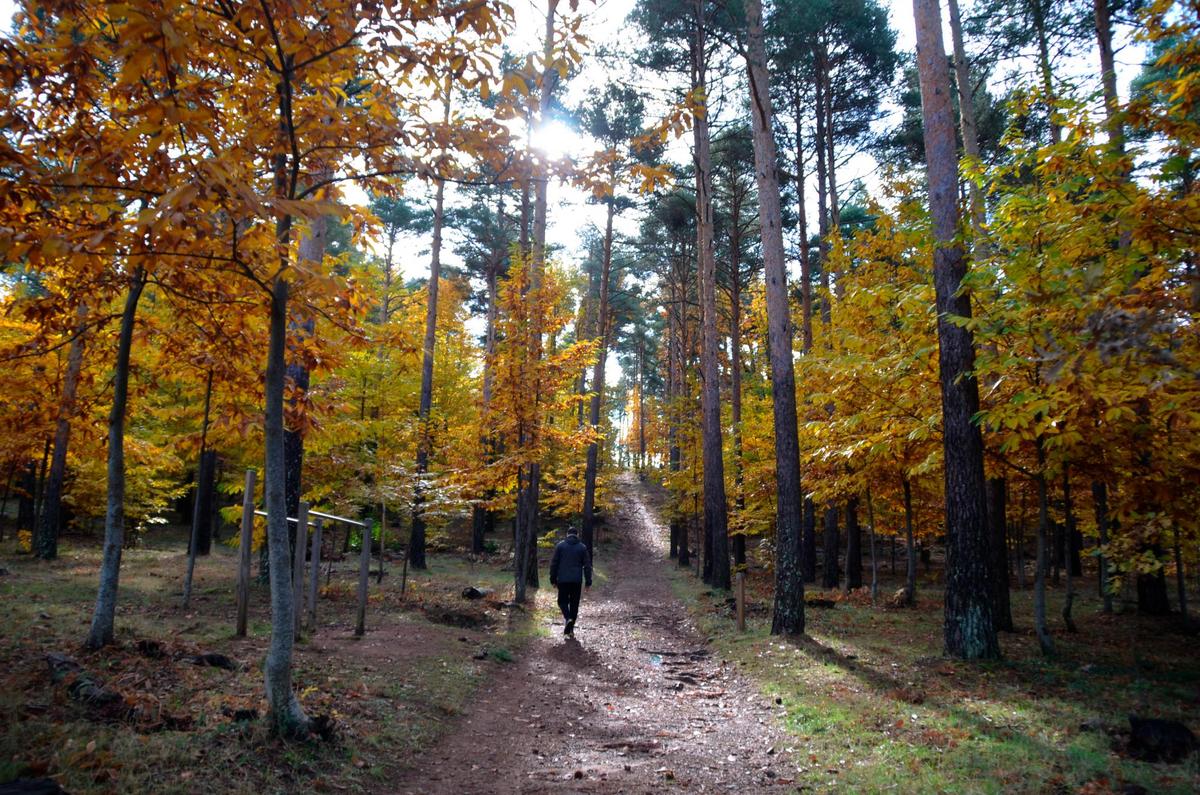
(658, 691)
(391, 693)
(637, 702)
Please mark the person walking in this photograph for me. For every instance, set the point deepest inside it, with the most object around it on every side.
(570, 570)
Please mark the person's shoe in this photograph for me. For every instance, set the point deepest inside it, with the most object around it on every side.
(569, 629)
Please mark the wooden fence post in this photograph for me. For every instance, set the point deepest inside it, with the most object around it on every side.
(247, 541)
(315, 579)
(364, 571)
(298, 565)
(741, 601)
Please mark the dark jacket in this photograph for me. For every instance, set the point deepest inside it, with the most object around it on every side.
(571, 562)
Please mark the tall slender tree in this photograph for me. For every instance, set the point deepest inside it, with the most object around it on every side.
(788, 618)
(970, 630)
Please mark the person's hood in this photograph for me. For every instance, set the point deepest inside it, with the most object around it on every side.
(572, 538)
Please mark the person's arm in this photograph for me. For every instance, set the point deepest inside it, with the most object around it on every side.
(587, 567)
(554, 565)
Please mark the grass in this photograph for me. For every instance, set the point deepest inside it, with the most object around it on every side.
(872, 706)
(391, 693)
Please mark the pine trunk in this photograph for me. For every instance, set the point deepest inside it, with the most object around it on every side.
(853, 546)
(716, 527)
(970, 630)
(808, 542)
(416, 542)
(788, 616)
(830, 571)
(997, 535)
(966, 114)
(910, 548)
(592, 467)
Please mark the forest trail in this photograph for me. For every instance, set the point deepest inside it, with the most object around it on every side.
(636, 704)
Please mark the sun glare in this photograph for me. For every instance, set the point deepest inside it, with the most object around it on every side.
(557, 140)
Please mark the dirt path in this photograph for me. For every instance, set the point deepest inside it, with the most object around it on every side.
(636, 704)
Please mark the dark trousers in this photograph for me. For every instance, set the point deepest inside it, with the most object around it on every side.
(568, 599)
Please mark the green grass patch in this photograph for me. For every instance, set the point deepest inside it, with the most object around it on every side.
(870, 704)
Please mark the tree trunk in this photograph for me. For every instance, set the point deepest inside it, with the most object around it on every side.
(830, 571)
(285, 717)
(101, 633)
(874, 558)
(735, 371)
(808, 542)
(484, 518)
(788, 616)
(802, 226)
(202, 501)
(1044, 68)
(970, 630)
(39, 488)
(716, 520)
(1039, 575)
(1102, 18)
(1180, 579)
(416, 542)
(1100, 501)
(966, 115)
(528, 495)
(910, 572)
(25, 501)
(1072, 550)
(835, 211)
(46, 545)
(998, 540)
(1152, 588)
(591, 469)
(853, 546)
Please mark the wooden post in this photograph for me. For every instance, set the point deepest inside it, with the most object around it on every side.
(298, 566)
(315, 578)
(741, 601)
(247, 541)
(364, 571)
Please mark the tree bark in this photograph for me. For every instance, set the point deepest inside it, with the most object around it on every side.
(529, 494)
(830, 571)
(1100, 501)
(1038, 13)
(1039, 575)
(853, 546)
(735, 369)
(484, 519)
(970, 630)
(202, 503)
(997, 535)
(101, 633)
(802, 225)
(49, 526)
(595, 405)
(788, 618)
(808, 542)
(716, 520)
(1072, 549)
(1102, 18)
(416, 542)
(966, 114)
(910, 548)
(285, 715)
